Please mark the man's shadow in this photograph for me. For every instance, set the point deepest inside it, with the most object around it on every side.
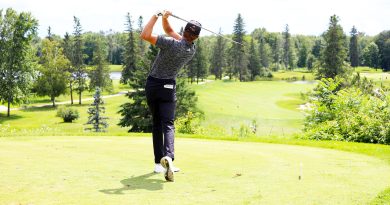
(139, 182)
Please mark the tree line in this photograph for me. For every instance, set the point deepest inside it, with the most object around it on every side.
(77, 62)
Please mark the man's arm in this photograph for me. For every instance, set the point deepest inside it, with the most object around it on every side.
(146, 33)
(167, 27)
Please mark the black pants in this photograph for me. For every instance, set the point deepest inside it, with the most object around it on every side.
(161, 99)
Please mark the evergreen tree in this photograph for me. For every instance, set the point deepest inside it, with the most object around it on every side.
(237, 51)
(100, 74)
(334, 52)
(52, 81)
(218, 57)
(68, 52)
(78, 59)
(136, 114)
(353, 48)
(130, 56)
(141, 43)
(316, 50)
(288, 55)
(95, 113)
(253, 65)
(16, 56)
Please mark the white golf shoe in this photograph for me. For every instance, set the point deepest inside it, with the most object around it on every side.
(158, 168)
(166, 162)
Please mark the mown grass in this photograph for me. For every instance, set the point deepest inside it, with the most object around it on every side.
(117, 170)
(274, 105)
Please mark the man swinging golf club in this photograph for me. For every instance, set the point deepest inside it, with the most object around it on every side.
(175, 51)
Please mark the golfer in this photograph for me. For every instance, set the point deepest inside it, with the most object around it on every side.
(175, 51)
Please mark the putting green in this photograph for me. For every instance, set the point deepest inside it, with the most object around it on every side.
(117, 170)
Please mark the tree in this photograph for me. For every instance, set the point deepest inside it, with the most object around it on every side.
(288, 52)
(218, 57)
(68, 52)
(78, 58)
(52, 81)
(334, 52)
(264, 52)
(237, 50)
(253, 65)
(100, 74)
(95, 113)
(197, 66)
(353, 48)
(141, 43)
(302, 55)
(16, 55)
(383, 43)
(371, 55)
(130, 56)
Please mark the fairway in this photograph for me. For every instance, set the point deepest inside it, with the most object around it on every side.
(117, 170)
(274, 105)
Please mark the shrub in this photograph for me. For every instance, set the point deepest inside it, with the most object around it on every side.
(68, 114)
(188, 124)
(353, 113)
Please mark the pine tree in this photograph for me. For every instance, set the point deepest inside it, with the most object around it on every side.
(353, 48)
(237, 51)
(288, 52)
(218, 57)
(130, 55)
(78, 59)
(95, 113)
(334, 52)
(253, 65)
(141, 43)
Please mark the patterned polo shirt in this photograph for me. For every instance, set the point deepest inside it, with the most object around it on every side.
(173, 55)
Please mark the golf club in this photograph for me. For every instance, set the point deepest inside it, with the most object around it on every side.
(160, 14)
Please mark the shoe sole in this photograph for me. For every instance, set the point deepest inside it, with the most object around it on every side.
(169, 173)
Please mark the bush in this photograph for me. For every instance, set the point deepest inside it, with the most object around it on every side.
(68, 114)
(188, 124)
(352, 113)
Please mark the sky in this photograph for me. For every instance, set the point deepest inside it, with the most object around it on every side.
(308, 17)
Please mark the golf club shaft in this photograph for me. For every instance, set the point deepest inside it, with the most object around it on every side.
(208, 30)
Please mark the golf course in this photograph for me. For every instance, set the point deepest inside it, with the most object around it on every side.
(194, 103)
(49, 161)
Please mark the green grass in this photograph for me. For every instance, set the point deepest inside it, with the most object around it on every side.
(116, 68)
(117, 170)
(43, 120)
(273, 104)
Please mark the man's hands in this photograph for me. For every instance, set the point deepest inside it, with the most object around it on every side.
(158, 13)
(166, 14)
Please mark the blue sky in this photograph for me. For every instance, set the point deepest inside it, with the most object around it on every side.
(309, 17)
